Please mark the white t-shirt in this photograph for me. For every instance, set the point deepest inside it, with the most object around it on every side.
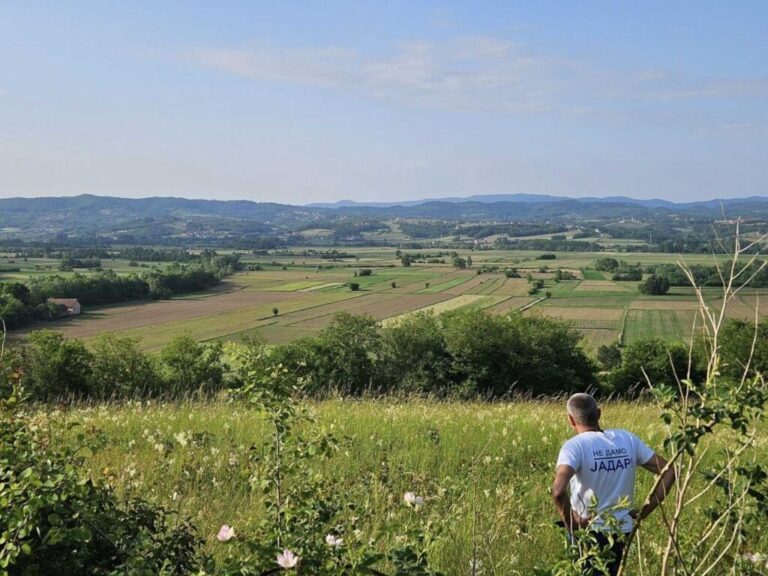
(605, 465)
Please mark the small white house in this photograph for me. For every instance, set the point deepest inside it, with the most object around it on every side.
(71, 304)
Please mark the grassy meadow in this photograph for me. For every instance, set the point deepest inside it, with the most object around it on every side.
(483, 469)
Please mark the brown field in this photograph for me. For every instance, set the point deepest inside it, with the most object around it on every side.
(745, 305)
(510, 304)
(596, 337)
(593, 302)
(444, 306)
(664, 305)
(513, 287)
(489, 286)
(378, 306)
(612, 314)
(600, 286)
(146, 314)
(466, 287)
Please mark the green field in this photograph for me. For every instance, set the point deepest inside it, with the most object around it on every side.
(484, 470)
(308, 290)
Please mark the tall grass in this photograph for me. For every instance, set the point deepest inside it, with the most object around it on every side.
(485, 469)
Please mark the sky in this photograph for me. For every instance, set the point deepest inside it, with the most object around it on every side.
(299, 102)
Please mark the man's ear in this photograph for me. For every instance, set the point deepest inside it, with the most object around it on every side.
(599, 414)
(571, 421)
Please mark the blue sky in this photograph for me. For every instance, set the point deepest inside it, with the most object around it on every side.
(380, 101)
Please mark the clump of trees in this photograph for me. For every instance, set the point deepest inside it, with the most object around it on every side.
(628, 274)
(114, 367)
(606, 264)
(654, 285)
(462, 353)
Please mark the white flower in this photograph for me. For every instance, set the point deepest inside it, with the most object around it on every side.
(757, 559)
(475, 567)
(287, 559)
(334, 541)
(226, 533)
(412, 500)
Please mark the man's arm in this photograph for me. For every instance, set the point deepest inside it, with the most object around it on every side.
(657, 465)
(563, 475)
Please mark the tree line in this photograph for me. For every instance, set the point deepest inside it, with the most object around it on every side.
(461, 354)
(21, 303)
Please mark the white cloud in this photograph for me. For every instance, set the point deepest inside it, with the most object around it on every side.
(478, 73)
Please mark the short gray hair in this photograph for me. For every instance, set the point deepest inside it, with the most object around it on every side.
(583, 408)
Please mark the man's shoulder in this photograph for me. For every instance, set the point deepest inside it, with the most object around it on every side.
(621, 432)
(627, 437)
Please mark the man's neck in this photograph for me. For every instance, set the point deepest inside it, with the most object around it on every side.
(580, 428)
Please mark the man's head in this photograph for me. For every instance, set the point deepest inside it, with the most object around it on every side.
(583, 411)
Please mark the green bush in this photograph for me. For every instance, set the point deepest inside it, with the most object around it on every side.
(654, 285)
(653, 359)
(190, 367)
(606, 264)
(119, 369)
(741, 344)
(56, 368)
(55, 519)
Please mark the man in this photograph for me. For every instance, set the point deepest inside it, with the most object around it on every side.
(599, 467)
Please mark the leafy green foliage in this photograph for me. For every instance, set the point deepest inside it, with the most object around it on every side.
(114, 367)
(190, 367)
(744, 345)
(309, 523)
(54, 519)
(119, 369)
(56, 368)
(654, 285)
(606, 264)
(654, 360)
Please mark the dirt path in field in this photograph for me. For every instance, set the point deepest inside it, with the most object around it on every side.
(138, 314)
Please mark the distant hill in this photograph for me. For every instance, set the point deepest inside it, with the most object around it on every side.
(165, 218)
(544, 198)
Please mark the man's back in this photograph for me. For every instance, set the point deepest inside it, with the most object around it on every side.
(604, 463)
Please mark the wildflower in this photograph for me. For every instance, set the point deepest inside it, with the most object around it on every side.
(475, 566)
(226, 533)
(334, 541)
(412, 500)
(287, 559)
(757, 559)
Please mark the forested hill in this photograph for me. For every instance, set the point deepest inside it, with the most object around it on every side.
(122, 219)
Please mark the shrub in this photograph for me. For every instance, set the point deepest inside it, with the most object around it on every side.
(606, 264)
(743, 344)
(119, 369)
(54, 519)
(56, 368)
(654, 285)
(652, 359)
(414, 358)
(189, 367)
(609, 356)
